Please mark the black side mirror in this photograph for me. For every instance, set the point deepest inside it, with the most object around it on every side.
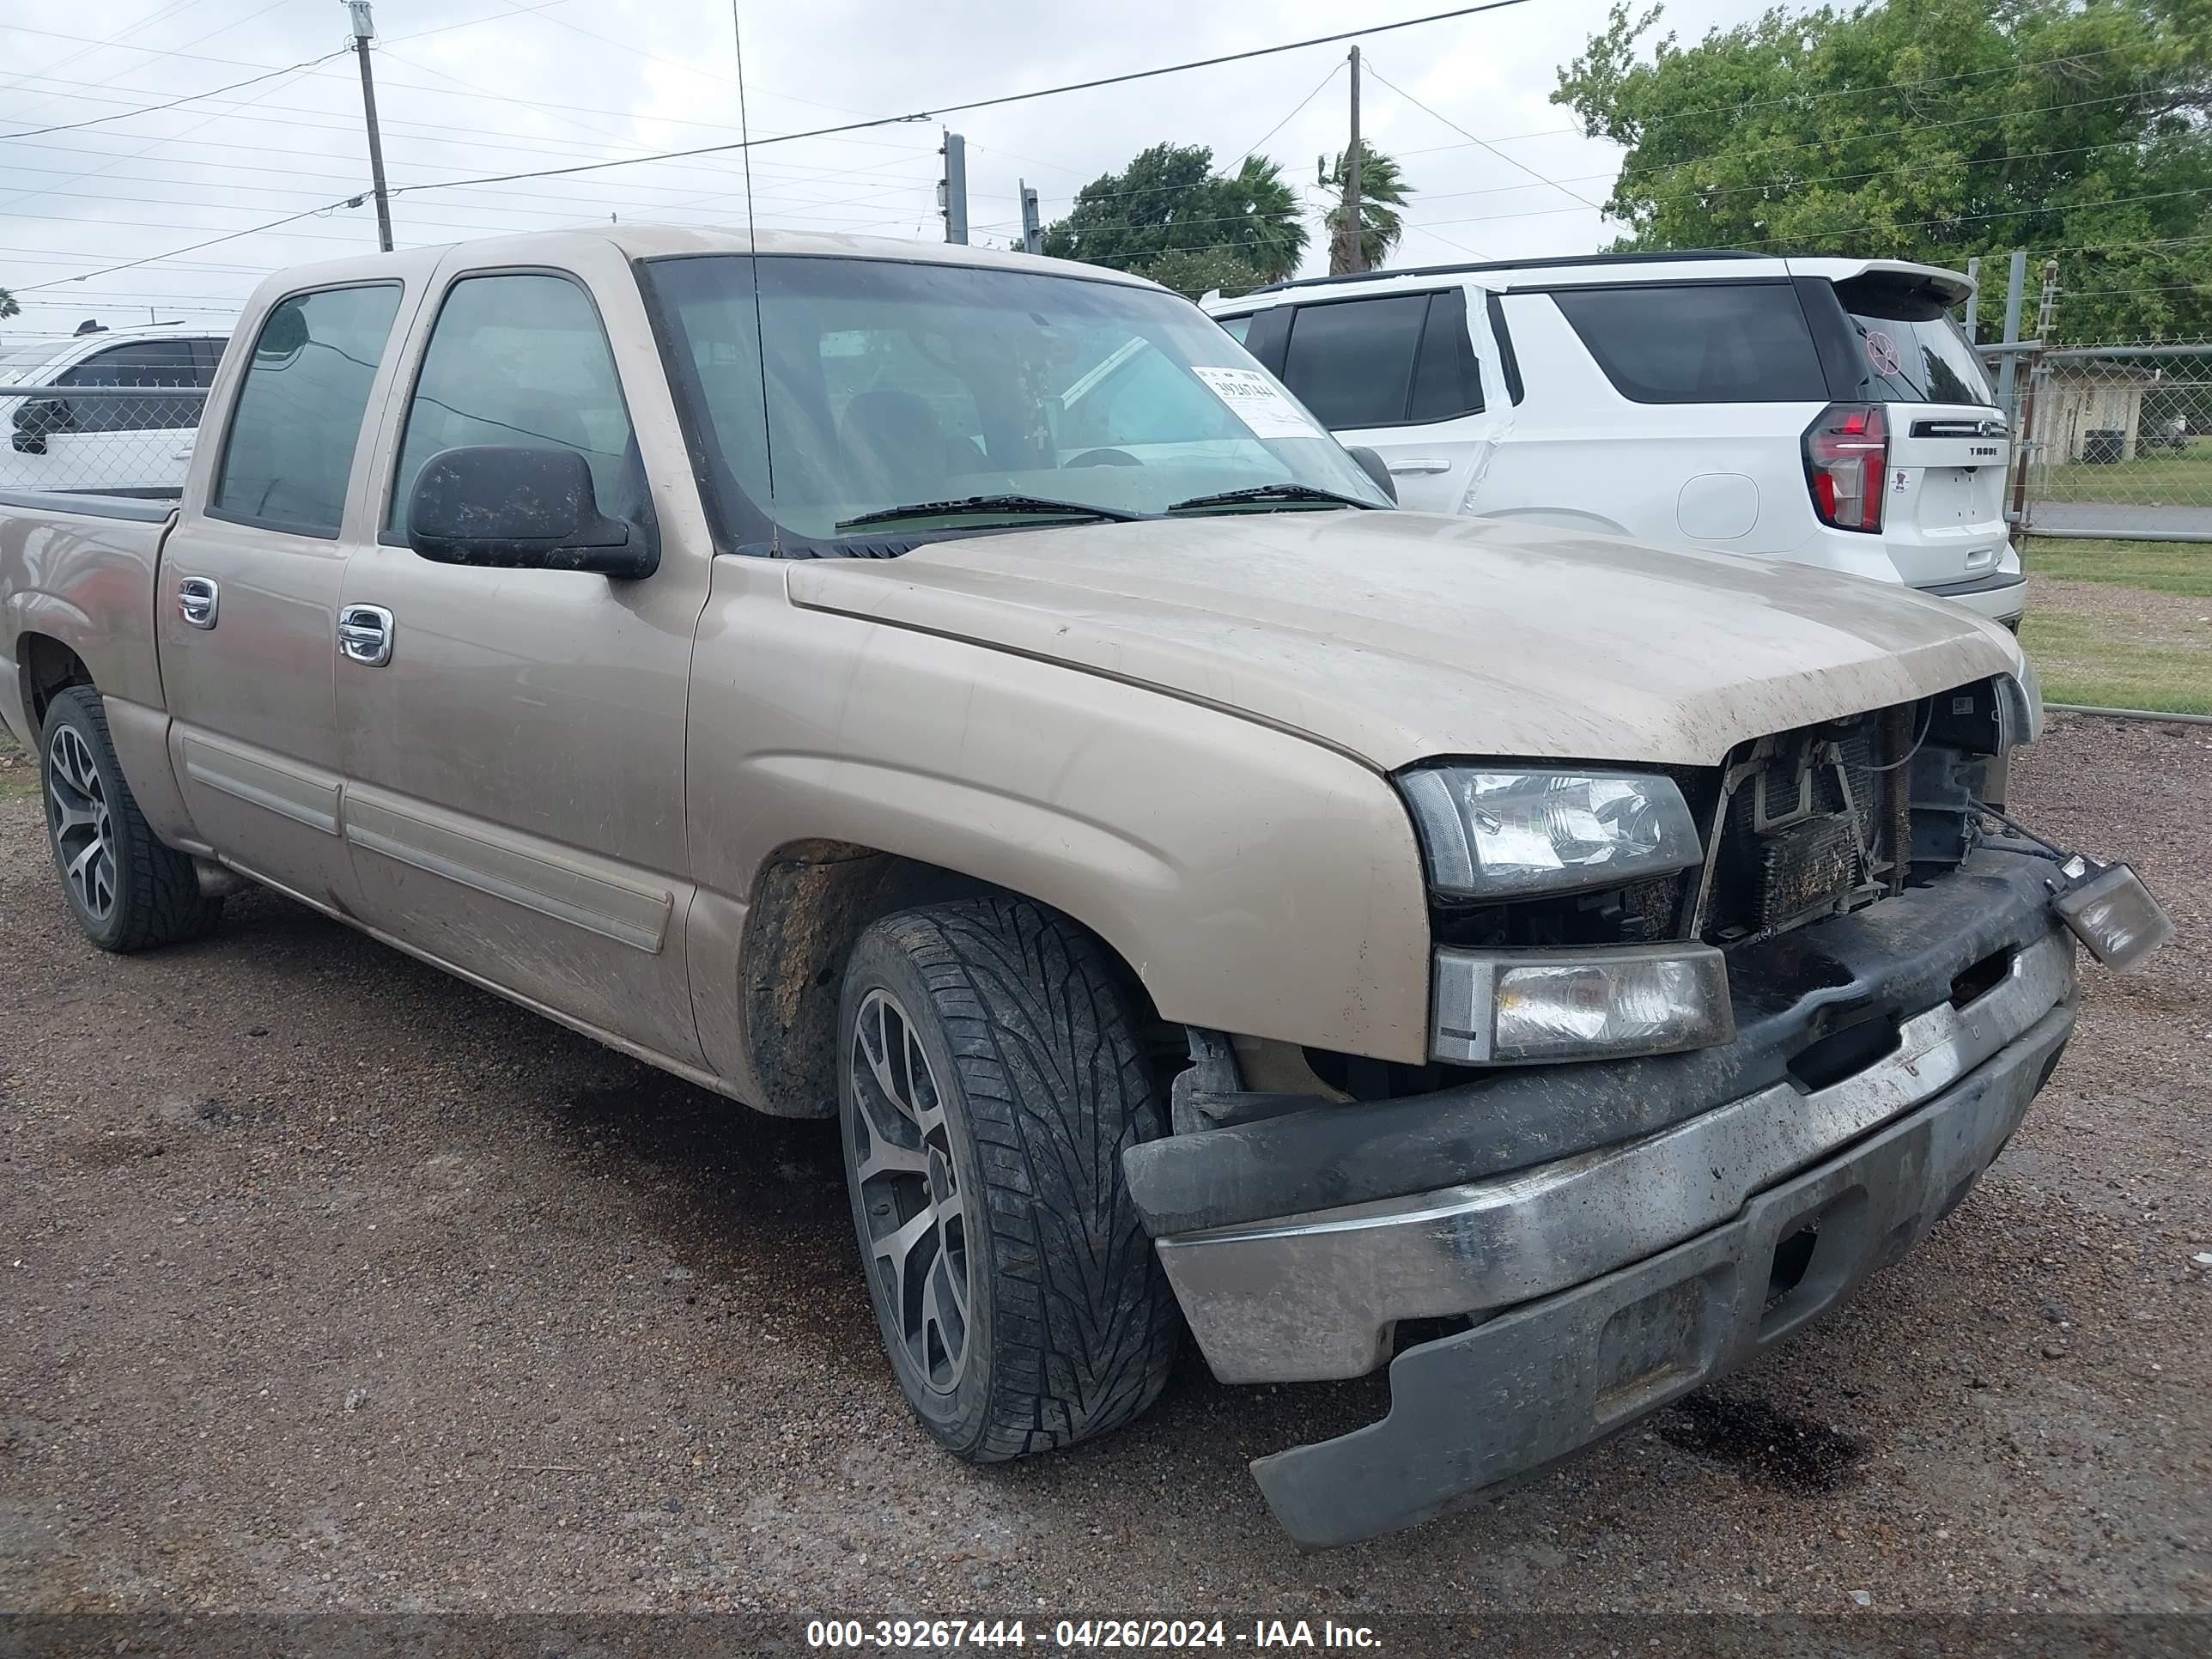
(34, 419)
(514, 507)
(1371, 464)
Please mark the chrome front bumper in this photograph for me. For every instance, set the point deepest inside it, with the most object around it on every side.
(1550, 1376)
(1315, 1296)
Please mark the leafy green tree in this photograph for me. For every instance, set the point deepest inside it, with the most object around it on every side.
(1170, 200)
(1382, 194)
(7, 306)
(1929, 129)
(1195, 274)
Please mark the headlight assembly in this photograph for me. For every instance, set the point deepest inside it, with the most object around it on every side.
(1508, 1006)
(1504, 835)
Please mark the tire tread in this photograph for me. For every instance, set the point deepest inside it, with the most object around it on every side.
(1056, 1087)
(160, 891)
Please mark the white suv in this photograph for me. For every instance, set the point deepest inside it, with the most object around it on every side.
(106, 443)
(1824, 411)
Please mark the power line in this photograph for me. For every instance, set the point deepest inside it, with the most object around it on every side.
(189, 97)
(1976, 218)
(440, 129)
(939, 112)
(90, 46)
(232, 236)
(1484, 142)
(1862, 92)
(1252, 149)
(23, 196)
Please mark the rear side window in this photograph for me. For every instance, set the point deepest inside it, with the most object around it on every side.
(1702, 342)
(150, 364)
(518, 358)
(1446, 382)
(1908, 350)
(1383, 362)
(1351, 362)
(290, 451)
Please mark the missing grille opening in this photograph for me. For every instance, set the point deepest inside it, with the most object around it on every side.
(1845, 1054)
(1984, 977)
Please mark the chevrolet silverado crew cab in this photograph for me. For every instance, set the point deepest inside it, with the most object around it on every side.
(1824, 411)
(960, 695)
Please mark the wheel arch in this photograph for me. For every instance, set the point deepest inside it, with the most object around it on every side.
(812, 900)
(46, 667)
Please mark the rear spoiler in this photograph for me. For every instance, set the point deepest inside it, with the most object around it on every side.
(1952, 287)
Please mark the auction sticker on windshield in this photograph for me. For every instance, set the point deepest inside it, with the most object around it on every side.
(1258, 402)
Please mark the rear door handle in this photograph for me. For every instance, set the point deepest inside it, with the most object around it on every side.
(196, 599)
(365, 635)
(1417, 464)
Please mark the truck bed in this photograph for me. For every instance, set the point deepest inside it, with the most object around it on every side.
(77, 574)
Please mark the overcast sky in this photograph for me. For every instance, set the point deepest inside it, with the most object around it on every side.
(468, 88)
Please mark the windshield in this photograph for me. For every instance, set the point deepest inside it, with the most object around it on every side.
(989, 396)
(1910, 349)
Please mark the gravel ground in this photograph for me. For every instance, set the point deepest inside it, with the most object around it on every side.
(329, 1282)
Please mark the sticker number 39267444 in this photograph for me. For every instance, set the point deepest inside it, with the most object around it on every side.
(1258, 402)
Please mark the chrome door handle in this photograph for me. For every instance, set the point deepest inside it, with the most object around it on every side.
(197, 598)
(1417, 464)
(365, 635)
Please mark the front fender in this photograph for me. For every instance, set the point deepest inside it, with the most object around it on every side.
(1255, 880)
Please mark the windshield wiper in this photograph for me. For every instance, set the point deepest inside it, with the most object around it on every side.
(974, 504)
(1272, 492)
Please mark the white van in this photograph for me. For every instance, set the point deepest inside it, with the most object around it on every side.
(1824, 411)
(108, 442)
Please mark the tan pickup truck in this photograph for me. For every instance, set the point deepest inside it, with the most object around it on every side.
(962, 694)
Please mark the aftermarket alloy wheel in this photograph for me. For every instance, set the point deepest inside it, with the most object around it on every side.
(989, 1080)
(909, 1199)
(83, 828)
(128, 891)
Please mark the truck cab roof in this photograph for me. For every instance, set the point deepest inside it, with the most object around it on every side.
(647, 241)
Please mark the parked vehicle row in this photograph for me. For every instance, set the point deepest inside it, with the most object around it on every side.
(963, 696)
(1824, 411)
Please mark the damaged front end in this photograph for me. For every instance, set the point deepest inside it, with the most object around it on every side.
(1708, 1047)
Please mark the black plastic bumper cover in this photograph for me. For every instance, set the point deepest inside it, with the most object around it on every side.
(1531, 1386)
(1896, 957)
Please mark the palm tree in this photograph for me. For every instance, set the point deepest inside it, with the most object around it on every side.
(1382, 194)
(1274, 230)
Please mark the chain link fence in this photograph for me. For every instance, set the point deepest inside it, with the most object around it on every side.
(131, 440)
(2117, 441)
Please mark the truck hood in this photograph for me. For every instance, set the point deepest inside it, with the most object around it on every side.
(1395, 637)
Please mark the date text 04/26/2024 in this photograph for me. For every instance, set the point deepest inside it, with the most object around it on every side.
(1149, 1635)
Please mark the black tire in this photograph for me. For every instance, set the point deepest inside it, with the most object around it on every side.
(1070, 1328)
(154, 894)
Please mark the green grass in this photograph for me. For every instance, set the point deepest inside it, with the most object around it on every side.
(2158, 477)
(2084, 660)
(2162, 567)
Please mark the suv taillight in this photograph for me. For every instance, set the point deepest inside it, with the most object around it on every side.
(1846, 458)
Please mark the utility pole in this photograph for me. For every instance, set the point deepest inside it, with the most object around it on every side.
(1354, 255)
(2024, 442)
(952, 188)
(1032, 230)
(364, 30)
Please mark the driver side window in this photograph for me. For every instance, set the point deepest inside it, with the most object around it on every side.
(518, 359)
